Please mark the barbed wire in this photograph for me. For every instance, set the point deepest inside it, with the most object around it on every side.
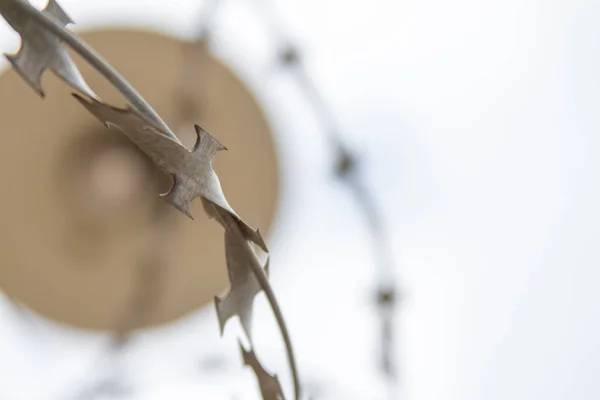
(346, 166)
(43, 34)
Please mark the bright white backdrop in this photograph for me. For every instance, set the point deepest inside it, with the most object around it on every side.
(479, 123)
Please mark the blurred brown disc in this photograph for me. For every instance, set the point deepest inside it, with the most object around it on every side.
(72, 254)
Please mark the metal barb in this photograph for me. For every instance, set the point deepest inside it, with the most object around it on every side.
(233, 227)
(41, 50)
(270, 388)
(54, 27)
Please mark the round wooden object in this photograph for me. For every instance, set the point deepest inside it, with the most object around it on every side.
(79, 200)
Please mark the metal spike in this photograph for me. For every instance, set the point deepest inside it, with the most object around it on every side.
(40, 49)
(244, 288)
(270, 388)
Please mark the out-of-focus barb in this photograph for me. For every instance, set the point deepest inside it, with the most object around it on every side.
(347, 167)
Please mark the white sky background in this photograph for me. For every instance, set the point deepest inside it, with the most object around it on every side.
(478, 121)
